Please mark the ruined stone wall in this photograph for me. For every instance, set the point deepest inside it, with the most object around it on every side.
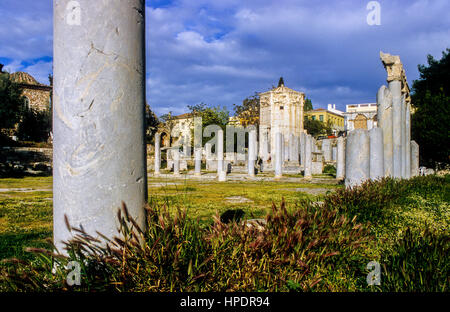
(39, 99)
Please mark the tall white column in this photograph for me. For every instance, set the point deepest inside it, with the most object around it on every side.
(384, 114)
(278, 153)
(376, 163)
(157, 153)
(414, 159)
(308, 156)
(99, 149)
(340, 161)
(219, 151)
(176, 161)
(251, 152)
(198, 161)
(408, 141)
(395, 88)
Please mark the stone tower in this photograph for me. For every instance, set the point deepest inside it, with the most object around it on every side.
(282, 108)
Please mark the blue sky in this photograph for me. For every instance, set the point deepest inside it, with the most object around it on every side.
(219, 52)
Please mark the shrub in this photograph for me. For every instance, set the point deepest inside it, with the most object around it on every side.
(308, 247)
(419, 262)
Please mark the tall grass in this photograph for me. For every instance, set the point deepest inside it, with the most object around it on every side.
(309, 247)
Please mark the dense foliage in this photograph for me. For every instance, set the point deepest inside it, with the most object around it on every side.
(431, 121)
(11, 102)
(35, 125)
(248, 112)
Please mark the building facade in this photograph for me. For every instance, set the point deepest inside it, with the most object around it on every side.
(281, 110)
(360, 116)
(37, 95)
(330, 115)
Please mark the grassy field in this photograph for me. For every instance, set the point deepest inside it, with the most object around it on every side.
(318, 237)
(26, 204)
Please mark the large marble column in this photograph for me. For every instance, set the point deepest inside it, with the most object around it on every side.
(395, 88)
(357, 156)
(340, 159)
(396, 77)
(384, 114)
(278, 153)
(99, 149)
(376, 163)
(157, 153)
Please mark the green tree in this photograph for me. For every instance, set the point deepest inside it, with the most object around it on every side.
(307, 105)
(11, 102)
(34, 125)
(316, 127)
(152, 122)
(211, 115)
(248, 112)
(430, 97)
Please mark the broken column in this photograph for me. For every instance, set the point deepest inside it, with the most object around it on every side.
(157, 153)
(308, 156)
(414, 159)
(408, 141)
(340, 159)
(99, 149)
(399, 90)
(176, 161)
(198, 161)
(251, 152)
(357, 153)
(376, 148)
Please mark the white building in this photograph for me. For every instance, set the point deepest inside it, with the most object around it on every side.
(360, 116)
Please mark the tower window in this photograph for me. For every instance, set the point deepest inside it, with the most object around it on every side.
(281, 107)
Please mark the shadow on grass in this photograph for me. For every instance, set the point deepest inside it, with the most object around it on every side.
(14, 244)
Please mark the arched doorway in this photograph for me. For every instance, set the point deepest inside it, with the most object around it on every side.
(360, 122)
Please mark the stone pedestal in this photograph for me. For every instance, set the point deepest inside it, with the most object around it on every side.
(198, 161)
(98, 115)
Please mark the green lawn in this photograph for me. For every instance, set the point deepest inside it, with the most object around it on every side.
(26, 209)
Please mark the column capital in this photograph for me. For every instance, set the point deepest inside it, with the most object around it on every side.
(393, 65)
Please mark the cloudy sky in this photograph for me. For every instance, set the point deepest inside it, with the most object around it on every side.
(221, 51)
